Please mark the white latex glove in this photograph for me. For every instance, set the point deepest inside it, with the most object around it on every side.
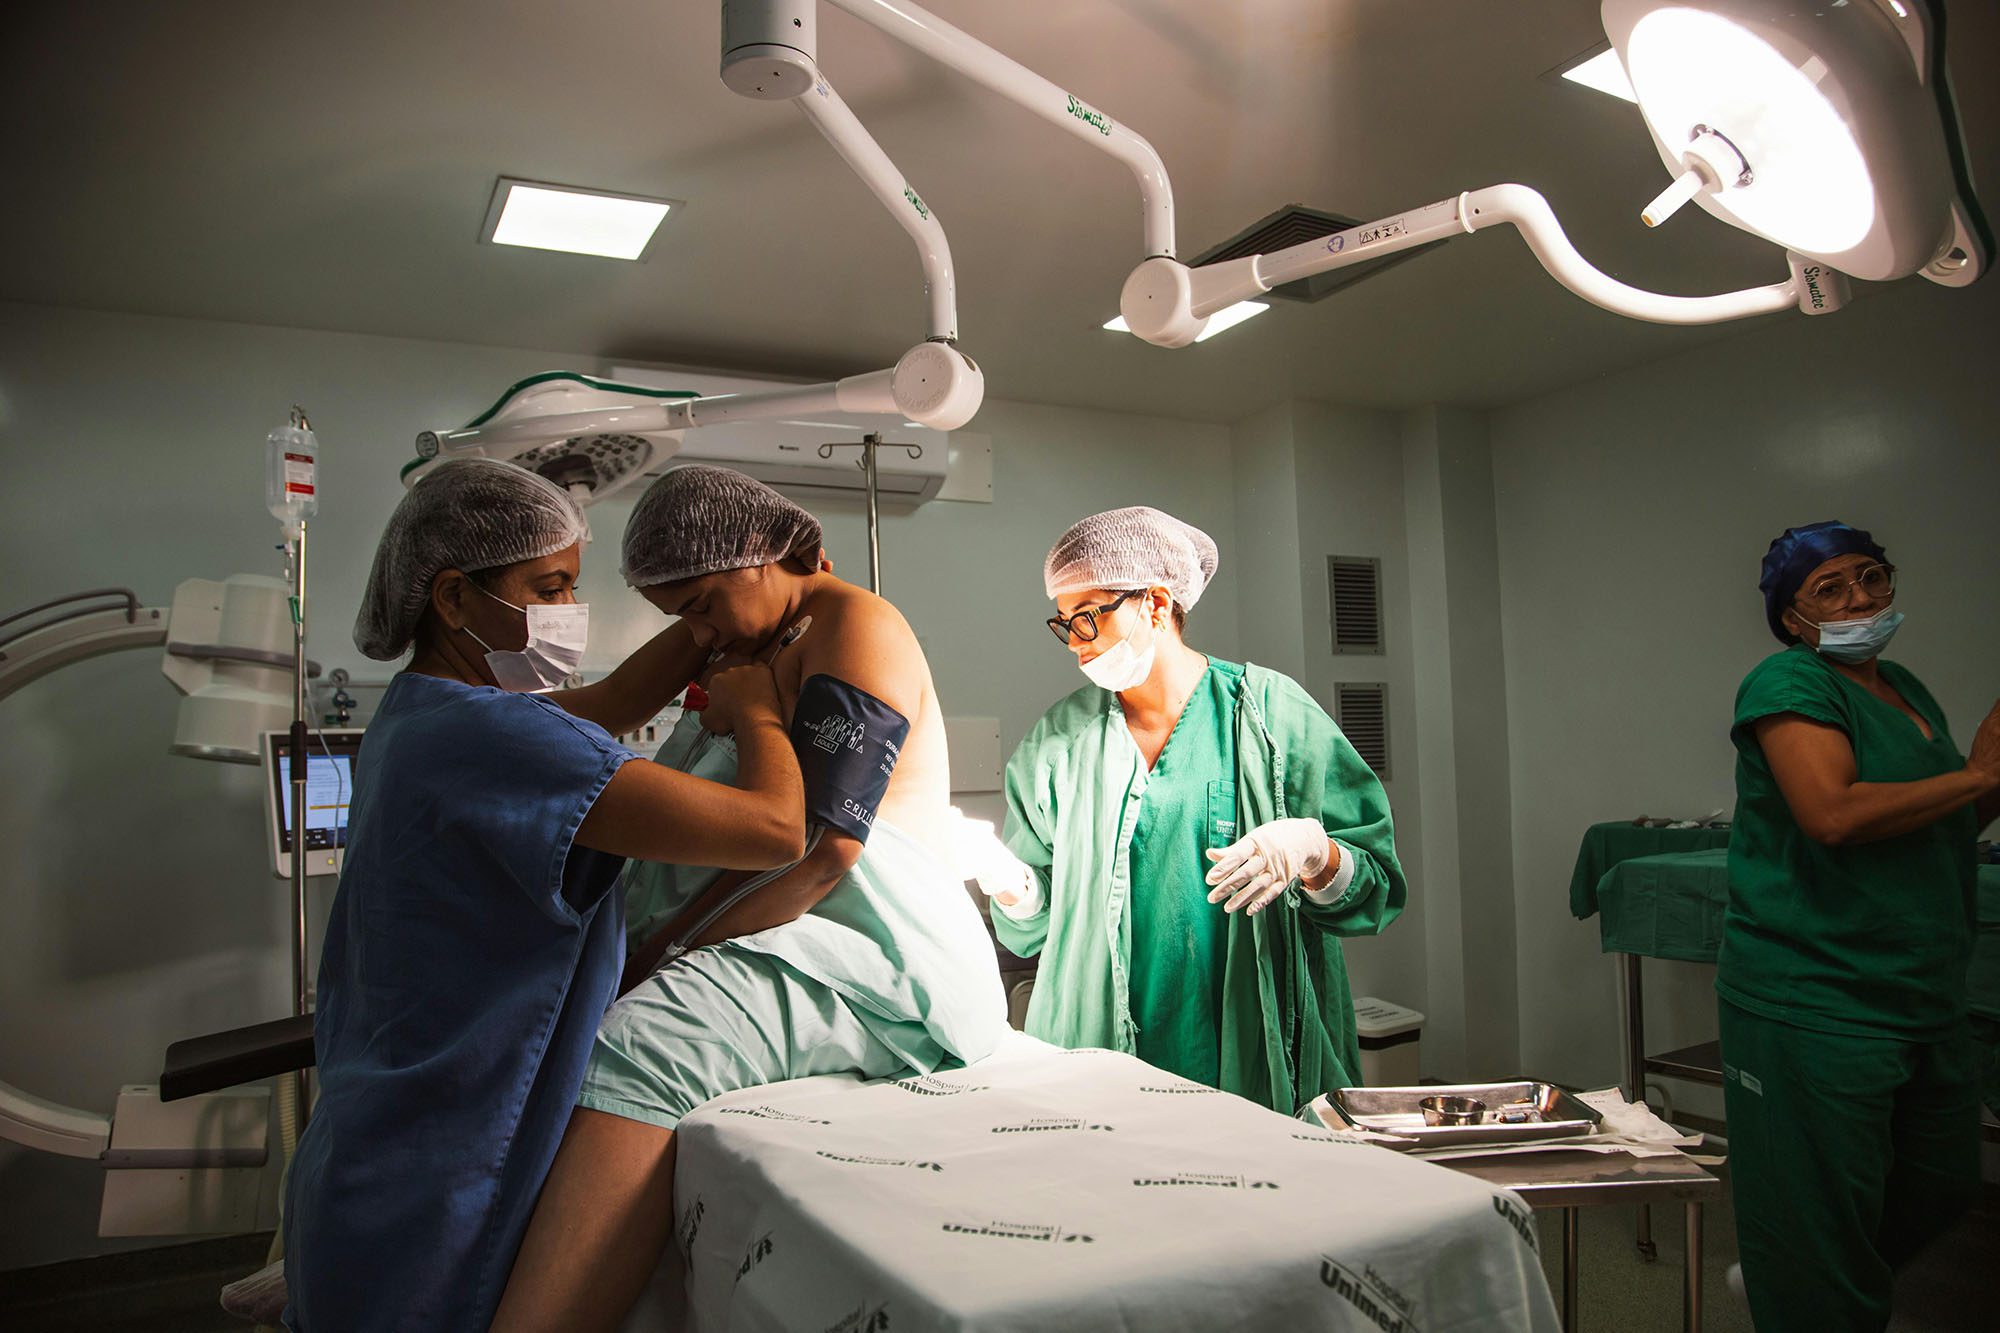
(1251, 871)
(1001, 875)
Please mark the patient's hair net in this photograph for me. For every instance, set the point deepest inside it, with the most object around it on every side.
(1132, 548)
(468, 514)
(1797, 552)
(701, 520)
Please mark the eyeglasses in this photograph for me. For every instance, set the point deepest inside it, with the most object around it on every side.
(1084, 623)
(1830, 592)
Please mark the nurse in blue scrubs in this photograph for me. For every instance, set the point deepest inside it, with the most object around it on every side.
(473, 949)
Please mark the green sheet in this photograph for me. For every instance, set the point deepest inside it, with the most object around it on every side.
(1605, 845)
(1665, 906)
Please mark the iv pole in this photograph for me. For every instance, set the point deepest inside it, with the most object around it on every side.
(300, 740)
(868, 445)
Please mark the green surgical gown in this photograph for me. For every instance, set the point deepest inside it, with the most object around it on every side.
(1076, 789)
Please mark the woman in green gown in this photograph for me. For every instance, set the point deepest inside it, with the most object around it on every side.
(1849, 1074)
(1186, 838)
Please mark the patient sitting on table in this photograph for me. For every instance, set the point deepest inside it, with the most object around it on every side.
(866, 958)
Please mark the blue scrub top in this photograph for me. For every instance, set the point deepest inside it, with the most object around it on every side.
(470, 956)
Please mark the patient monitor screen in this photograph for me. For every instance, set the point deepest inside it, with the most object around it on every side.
(329, 790)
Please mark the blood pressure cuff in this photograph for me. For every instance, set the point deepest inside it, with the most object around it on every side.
(848, 742)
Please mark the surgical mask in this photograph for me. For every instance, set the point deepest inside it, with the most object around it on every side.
(1121, 666)
(556, 636)
(1854, 641)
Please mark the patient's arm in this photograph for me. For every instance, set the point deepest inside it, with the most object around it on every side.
(643, 684)
(786, 898)
(865, 642)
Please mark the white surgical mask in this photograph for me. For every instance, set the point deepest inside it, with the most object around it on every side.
(1122, 666)
(1853, 641)
(556, 637)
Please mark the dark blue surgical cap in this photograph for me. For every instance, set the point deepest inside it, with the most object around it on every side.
(1798, 553)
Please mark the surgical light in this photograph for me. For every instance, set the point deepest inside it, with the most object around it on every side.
(1823, 129)
(583, 222)
(1604, 73)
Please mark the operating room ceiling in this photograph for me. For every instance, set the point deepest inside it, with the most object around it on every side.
(328, 166)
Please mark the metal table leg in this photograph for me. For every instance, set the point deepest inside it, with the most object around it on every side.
(1691, 1296)
(1572, 1253)
(1634, 1006)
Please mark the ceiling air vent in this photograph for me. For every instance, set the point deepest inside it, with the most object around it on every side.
(1292, 225)
(1354, 599)
(1362, 711)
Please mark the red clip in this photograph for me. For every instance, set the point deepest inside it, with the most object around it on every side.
(697, 699)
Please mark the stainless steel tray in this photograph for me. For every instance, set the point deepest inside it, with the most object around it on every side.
(1550, 1113)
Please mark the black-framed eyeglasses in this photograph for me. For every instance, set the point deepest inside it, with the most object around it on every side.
(1084, 623)
(1830, 593)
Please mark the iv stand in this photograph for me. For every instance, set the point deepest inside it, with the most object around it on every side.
(300, 740)
(868, 444)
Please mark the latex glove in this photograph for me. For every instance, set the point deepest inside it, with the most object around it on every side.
(1252, 871)
(1002, 876)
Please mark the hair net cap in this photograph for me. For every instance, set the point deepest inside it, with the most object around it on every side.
(468, 514)
(1797, 553)
(1132, 548)
(702, 520)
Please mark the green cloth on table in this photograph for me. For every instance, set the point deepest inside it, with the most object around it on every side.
(1869, 938)
(1605, 845)
(1178, 940)
(1667, 906)
(1074, 791)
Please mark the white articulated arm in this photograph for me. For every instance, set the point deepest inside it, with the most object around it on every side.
(1536, 221)
(1168, 304)
(926, 32)
(832, 118)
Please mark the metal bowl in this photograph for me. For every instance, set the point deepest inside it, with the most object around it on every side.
(1452, 1110)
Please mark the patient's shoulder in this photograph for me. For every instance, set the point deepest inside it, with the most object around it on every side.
(863, 639)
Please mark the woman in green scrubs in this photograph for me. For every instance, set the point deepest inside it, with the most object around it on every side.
(1848, 1070)
(1186, 838)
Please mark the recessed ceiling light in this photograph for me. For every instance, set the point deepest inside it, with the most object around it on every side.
(563, 217)
(1222, 320)
(1604, 73)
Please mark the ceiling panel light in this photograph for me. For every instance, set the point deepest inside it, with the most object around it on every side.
(1221, 321)
(1604, 73)
(583, 222)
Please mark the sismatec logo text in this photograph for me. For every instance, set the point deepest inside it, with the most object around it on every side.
(1090, 116)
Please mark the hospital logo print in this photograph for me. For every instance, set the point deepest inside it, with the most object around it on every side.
(691, 1227)
(929, 1085)
(863, 1319)
(760, 1250)
(1049, 1126)
(772, 1113)
(1031, 1231)
(1518, 1218)
(880, 1161)
(1196, 1178)
(1371, 1296)
(1193, 1089)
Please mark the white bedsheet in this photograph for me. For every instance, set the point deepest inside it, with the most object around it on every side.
(1061, 1192)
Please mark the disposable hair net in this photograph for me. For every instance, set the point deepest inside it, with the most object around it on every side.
(701, 520)
(468, 514)
(1132, 548)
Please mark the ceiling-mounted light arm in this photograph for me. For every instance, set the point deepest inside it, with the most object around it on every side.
(926, 32)
(933, 384)
(1167, 303)
(834, 119)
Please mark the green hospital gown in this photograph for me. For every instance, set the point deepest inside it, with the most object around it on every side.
(1177, 934)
